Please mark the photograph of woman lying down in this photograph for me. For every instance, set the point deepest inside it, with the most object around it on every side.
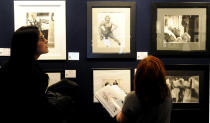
(181, 29)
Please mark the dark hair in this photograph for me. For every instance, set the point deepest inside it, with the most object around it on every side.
(24, 42)
(149, 82)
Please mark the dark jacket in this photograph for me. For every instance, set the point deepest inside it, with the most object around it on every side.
(27, 95)
(25, 86)
(63, 96)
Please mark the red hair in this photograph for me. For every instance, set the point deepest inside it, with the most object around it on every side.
(149, 82)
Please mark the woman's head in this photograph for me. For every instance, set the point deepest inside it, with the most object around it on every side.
(42, 45)
(107, 19)
(27, 41)
(149, 82)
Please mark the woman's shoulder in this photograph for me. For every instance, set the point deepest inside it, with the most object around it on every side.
(132, 96)
(168, 99)
(131, 104)
(36, 68)
(167, 102)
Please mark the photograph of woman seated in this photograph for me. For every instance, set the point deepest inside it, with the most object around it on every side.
(151, 101)
(181, 29)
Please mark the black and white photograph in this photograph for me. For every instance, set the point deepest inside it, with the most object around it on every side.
(45, 22)
(111, 29)
(109, 77)
(188, 85)
(184, 89)
(50, 18)
(108, 32)
(180, 29)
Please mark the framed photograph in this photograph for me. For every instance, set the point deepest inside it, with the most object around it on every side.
(111, 29)
(181, 29)
(104, 77)
(54, 77)
(188, 85)
(50, 18)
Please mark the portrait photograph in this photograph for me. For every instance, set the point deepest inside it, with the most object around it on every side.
(102, 78)
(180, 29)
(111, 29)
(50, 18)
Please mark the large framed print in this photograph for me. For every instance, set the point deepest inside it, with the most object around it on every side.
(103, 77)
(50, 18)
(181, 29)
(188, 85)
(111, 29)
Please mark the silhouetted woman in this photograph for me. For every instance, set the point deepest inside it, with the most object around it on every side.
(25, 81)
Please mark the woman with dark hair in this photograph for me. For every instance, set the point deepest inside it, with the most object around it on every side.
(27, 84)
(25, 81)
(29, 37)
(28, 43)
(150, 102)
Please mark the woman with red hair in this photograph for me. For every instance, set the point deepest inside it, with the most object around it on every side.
(150, 102)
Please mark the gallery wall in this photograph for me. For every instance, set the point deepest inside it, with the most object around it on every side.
(76, 38)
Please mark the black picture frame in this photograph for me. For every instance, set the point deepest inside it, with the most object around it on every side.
(202, 71)
(103, 45)
(189, 22)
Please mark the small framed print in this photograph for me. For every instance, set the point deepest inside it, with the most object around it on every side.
(50, 18)
(103, 77)
(181, 29)
(54, 77)
(111, 29)
(188, 85)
